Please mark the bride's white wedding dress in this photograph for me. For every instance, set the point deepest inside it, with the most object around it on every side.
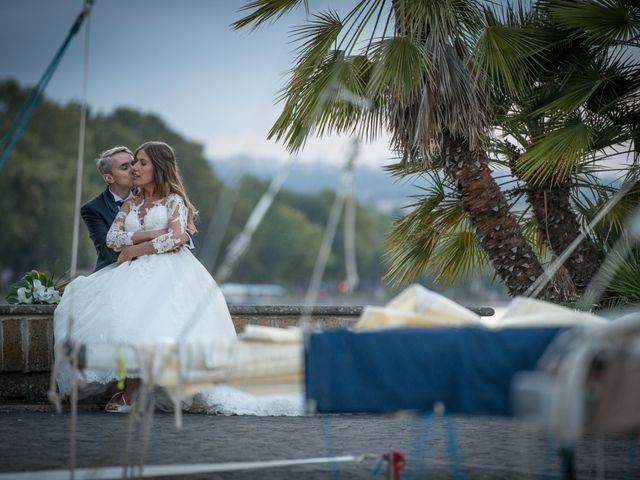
(154, 296)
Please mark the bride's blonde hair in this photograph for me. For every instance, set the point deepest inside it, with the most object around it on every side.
(166, 176)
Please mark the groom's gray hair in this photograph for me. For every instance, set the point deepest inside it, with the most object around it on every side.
(103, 162)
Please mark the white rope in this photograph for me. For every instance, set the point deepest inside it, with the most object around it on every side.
(81, 142)
(149, 471)
(73, 359)
(351, 265)
(68, 356)
(219, 223)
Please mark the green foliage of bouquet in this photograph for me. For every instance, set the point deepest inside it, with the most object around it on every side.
(37, 287)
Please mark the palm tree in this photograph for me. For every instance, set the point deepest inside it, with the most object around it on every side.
(405, 67)
(576, 107)
(563, 100)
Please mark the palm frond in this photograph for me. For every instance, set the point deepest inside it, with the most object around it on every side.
(457, 256)
(400, 66)
(323, 100)
(359, 19)
(573, 92)
(410, 245)
(607, 135)
(619, 86)
(626, 276)
(315, 38)
(428, 168)
(440, 20)
(434, 237)
(262, 11)
(509, 55)
(590, 197)
(605, 21)
(552, 157)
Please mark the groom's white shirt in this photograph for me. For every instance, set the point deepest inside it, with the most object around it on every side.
(117, 198)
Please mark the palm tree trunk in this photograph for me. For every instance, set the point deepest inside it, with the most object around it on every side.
(559, 227)
(495, 226)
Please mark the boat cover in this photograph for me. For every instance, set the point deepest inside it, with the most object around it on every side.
(468, 369)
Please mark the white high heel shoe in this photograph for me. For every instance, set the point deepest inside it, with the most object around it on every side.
(113, 406)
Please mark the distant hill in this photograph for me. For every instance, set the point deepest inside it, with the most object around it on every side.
(374, 187)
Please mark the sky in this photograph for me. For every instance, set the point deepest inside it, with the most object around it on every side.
(177, 59)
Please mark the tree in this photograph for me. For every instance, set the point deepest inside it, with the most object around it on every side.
(564, 87)
(413, 76)
(570, 111)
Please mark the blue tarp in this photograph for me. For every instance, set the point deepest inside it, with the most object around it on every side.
(468, 369)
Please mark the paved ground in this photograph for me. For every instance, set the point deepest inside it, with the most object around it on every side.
(489, 448)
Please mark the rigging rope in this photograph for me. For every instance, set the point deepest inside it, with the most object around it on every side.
(239, 244)
(219, 223)
(335, 214)
(17, 127)
(351, 265)
(81, 143)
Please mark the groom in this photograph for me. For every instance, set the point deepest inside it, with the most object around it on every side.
(98, 214)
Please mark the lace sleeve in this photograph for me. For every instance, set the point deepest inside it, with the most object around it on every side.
(177, 225)
(117, 237)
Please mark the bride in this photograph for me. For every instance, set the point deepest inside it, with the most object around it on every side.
(157, 289)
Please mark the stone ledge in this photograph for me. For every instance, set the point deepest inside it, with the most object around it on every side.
(10, 309)
(26, 339)
(24, 387)
(339, 310)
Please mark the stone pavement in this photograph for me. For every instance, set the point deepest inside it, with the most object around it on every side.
(488, 448)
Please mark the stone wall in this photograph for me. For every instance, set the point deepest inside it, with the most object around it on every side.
(26, 340)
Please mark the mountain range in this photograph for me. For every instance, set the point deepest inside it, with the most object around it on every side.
(374, 186)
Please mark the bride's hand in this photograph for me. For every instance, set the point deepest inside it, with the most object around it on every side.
(126, 254)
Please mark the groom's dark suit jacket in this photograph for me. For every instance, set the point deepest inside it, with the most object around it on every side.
(98, 214)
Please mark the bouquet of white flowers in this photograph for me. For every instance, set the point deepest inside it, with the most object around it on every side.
(36, 287)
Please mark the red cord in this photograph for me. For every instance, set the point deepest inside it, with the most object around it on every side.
(398, 460)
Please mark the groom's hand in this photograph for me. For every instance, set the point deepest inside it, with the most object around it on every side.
(126, 254)
(184, 240)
